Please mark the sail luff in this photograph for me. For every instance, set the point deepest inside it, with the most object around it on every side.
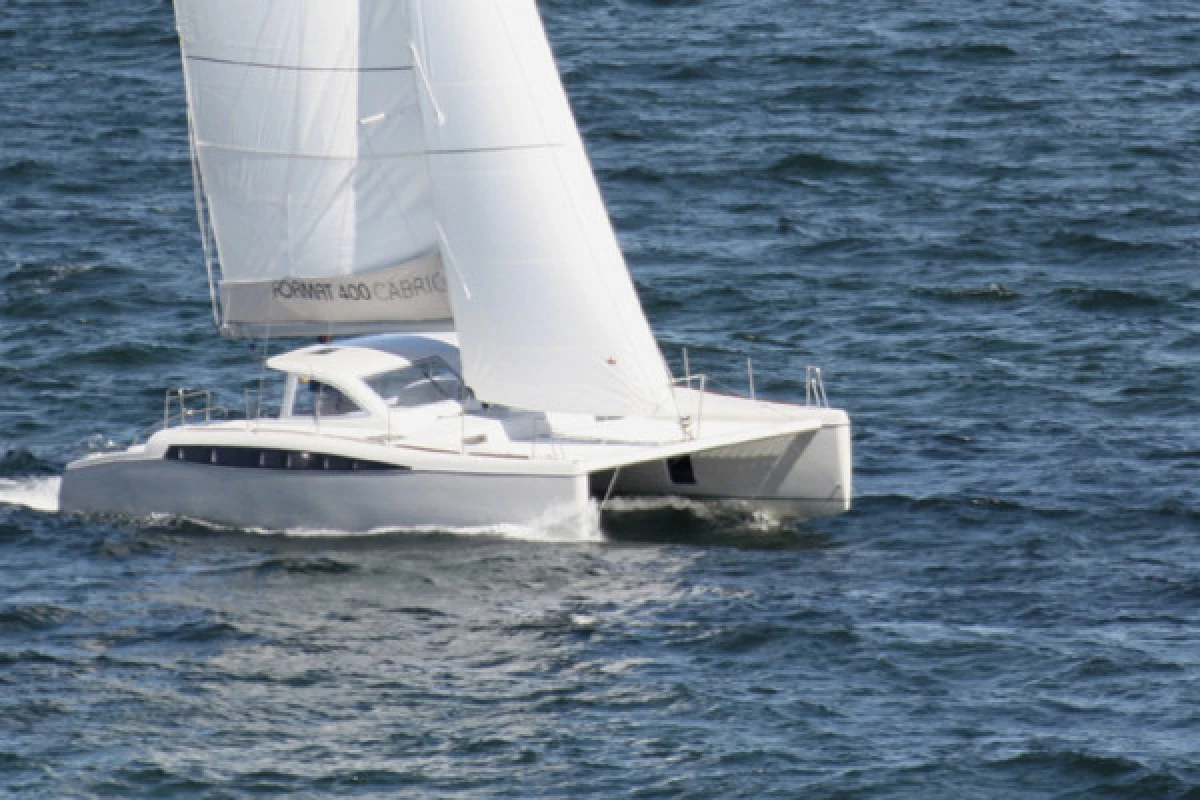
(199, 198)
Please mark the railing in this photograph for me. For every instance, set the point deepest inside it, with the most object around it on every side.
(814, 388)
(182, 407)
(690, 426)
(191, 403)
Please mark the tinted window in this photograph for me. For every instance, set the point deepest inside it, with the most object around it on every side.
(430, 380)
(326, 400)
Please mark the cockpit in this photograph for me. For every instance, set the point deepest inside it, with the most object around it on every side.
(372, 377)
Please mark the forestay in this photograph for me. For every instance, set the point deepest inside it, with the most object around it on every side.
(386, 161)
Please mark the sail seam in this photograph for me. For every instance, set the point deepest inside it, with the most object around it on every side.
(499, 149)
(230, 148)
(356, 157)
(288, 68)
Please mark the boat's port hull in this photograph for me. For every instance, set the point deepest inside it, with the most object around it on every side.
(800, 475)
(352, 502)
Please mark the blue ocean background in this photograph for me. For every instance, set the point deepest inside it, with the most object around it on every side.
(980, 218)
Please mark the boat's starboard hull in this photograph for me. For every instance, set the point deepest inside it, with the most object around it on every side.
(801, 475)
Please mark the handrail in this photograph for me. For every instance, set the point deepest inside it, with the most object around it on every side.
(814, 388)
(690, 427)
(178, 412)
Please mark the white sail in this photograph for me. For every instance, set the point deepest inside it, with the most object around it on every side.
(545, 309)
(415, 164)
(305, 120)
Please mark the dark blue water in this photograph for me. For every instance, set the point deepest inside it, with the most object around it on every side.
(980, 218)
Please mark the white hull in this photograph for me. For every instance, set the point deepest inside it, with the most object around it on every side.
(797, 475)
(351, 502)
(364, 465)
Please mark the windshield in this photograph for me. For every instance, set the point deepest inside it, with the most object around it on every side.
(322, 400)
(430, 380)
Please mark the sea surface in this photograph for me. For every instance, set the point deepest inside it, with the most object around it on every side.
(980, 218)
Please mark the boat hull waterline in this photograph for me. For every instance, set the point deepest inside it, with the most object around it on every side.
(795, 475)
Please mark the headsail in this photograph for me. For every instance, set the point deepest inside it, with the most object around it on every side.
(545, 309)
(426, 144)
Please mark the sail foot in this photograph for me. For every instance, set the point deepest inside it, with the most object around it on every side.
(410, 295)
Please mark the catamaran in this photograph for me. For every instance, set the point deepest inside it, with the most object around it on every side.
(403, 181)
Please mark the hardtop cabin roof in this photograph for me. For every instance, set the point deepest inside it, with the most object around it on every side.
(367, 355)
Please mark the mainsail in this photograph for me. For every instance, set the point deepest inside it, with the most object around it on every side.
(305, 122)
(414, 164)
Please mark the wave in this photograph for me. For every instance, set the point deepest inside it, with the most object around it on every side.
(40, 494)
(1110, 299)
(19, 461)
(969, 52)
(991, 292)
(22, 170)
(799, 167)
(320, 565)
(1082, 765)
(554, 526)
(32, 617)
(646, 520)
(961, 502)
(1094, 244)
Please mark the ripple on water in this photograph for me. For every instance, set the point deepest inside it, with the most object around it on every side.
(979, 218)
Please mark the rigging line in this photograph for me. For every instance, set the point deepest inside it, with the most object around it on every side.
(198, 197)
(612, 483)
(437, 108)
(453, 262)
(205, 235)
(417, 20)
(289, 68)
(262, 373)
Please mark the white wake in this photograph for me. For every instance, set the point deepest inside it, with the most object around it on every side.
(561, 526)
(40, 494)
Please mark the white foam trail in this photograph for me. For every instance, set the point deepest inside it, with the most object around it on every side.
(555, 525)
(40, 494)
(663, 503)
(708, 510)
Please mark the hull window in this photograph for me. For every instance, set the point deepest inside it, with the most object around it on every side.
(680, 470)
(260, 458)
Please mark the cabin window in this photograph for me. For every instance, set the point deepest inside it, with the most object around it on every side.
(430, 380)
(256, 458)
(322, 399)
(681, 471)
